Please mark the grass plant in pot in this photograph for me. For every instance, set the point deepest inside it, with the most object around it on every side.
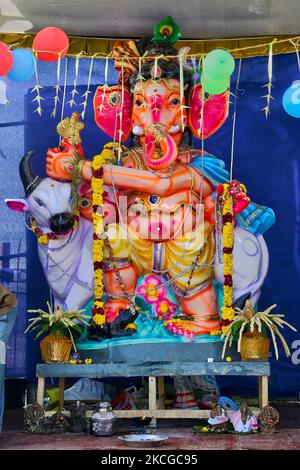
(56, 346)
(250, 329)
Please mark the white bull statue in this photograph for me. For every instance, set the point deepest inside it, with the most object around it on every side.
(67, 258)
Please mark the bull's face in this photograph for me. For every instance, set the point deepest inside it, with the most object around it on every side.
(48, 201)
(49, 204)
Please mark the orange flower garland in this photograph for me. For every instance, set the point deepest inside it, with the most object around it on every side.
(108, 155)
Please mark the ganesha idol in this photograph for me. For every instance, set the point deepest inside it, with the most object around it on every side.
(160, 196)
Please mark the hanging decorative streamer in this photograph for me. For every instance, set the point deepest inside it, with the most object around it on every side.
(105, 86)
(120, 132)
(155, 67)
(64, 97)
(106, 73)
(140, 76)
(57, 86)
(201, 134)
(234, 117)
(181, 81)
(74, 91)
(38, 98)
(296, 46)
(87, 92)
(269, 85)
(3, 98)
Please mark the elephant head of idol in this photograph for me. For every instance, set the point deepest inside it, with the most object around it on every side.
(156, 99)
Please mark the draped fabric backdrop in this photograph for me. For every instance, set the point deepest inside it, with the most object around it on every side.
(266, 159)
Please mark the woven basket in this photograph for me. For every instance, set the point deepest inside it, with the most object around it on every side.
(254, 347)
(55, 349)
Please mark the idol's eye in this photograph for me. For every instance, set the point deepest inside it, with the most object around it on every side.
(175, 102)
(138, 103)
(39, 201)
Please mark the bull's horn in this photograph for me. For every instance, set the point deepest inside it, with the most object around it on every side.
(29, 180)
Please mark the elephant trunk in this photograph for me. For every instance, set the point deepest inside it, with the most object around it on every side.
(160, 148)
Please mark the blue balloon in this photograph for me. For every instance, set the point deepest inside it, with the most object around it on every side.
(23, 66)
(291, 99)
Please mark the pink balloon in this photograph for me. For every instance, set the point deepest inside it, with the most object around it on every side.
(51, 42)
(6, 59)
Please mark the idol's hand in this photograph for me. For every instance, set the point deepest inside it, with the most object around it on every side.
(61, 161)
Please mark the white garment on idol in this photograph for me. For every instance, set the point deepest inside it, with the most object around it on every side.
(250, 425)
(218, 419)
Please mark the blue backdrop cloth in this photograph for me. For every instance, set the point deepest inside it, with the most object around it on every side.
(266, 159)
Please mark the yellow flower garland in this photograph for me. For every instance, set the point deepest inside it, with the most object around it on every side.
(227, 213)
(108, 155)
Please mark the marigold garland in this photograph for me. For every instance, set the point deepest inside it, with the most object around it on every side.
(227, 231)
(226, 200)
(108, 155)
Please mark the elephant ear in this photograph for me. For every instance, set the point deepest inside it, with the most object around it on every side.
(215, 112)
(112, 111)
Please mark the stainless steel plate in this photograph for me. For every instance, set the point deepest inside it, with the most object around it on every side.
(143, 440)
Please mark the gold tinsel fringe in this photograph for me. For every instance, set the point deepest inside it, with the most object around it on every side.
(239, 47)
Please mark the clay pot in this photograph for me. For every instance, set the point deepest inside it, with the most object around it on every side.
(254, 347)
(55, 349)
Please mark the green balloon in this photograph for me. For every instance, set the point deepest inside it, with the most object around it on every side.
(214, 87)
(218, 64)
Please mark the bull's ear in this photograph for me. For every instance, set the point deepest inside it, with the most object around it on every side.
(18, 205)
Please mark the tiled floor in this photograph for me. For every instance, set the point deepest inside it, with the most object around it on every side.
(179, 433)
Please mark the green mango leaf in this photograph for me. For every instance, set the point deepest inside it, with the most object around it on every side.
(264, 330)
(77, 328)
(42, 330)
(236, 328)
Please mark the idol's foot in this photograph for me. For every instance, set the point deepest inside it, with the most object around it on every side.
(120, 319)
(112, 308)
(200, 315)
(191, 328)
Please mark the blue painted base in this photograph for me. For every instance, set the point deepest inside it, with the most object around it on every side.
(146, 351)
(152, 343)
